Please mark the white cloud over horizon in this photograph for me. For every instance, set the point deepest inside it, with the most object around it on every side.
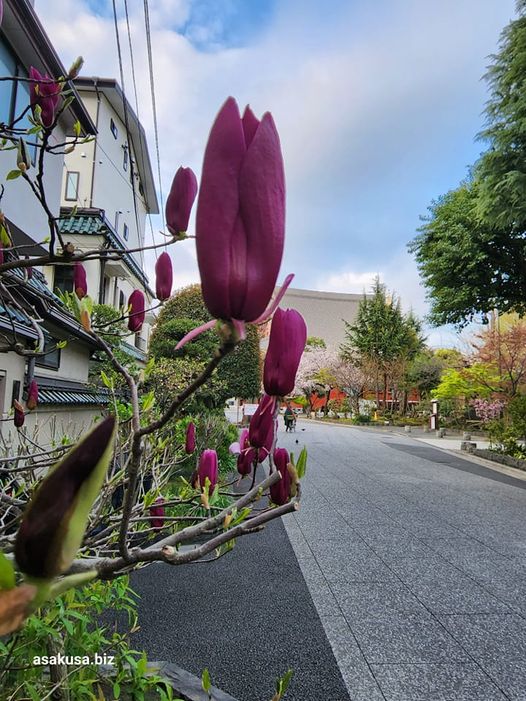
(377, 106)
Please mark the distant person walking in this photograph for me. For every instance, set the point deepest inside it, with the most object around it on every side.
(289, 418)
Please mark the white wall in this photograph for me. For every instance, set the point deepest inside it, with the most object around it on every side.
(19, 204)
(47, 426)
(74, 364)
(112, 190)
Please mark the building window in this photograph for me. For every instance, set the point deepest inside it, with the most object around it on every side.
(125, 158)
(51, 357)
(72, 185)
(125, 232)
(121, 299)
(63, 278)
(113, 129)
(15, 396)
(8, 66)
(14, 95)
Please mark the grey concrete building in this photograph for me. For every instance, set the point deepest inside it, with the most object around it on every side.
(324, 312)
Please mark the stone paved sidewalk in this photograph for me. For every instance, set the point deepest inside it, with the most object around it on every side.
(416, 562)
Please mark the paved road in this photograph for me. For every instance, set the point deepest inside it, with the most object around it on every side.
(416, 562)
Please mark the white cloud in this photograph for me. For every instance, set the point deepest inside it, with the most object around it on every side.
(365, 97)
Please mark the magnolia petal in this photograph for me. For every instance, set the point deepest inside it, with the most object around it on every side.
(195, 332)
(275, 304)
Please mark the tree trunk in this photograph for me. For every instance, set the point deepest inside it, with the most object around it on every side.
(385, 391)
(58, 673)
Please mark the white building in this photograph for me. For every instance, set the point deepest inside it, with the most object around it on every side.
(108, 191)
(66, 404)
(325, 313)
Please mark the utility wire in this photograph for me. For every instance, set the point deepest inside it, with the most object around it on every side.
(126, 122)
(142, 145)
(154, 108)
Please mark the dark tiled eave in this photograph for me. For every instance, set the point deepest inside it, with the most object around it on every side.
(98, 225)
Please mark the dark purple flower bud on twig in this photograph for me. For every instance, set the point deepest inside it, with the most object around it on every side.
(247, 455)
(19, 415)
(280, 491)
(262, 426)
(189, 445)
(207, 470)
(55, 520)
(240, 223)
(157, 512)
(44, 92)
(136, 305)
(163, 277)
(80, 284)
(32, 395)
(180, 201)
(288, 335)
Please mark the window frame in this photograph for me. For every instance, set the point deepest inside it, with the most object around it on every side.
(125, 232)
(113, 128)
(48, 360)
(68, 173)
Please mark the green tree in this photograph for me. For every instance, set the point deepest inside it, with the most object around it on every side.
(501, 170)
(472, 247)
(383, 339)
(239, 374)
(468, 266)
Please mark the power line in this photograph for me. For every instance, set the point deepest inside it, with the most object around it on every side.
(126, 121)
(154, 108)
(142, 146)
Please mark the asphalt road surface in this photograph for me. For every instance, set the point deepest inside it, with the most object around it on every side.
(402, 578)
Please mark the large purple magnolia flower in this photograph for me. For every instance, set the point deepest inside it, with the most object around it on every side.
(288, 335)
(262, 427)
(280, 491)
(163, 277)
(240, 224)
(44, 92)
(180, 201)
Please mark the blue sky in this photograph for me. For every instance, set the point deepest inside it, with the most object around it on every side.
(377, 105)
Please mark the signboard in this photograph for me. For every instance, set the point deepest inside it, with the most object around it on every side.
(249, 409)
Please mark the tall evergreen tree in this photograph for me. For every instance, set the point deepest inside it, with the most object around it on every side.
(501, 170)
(382, 339)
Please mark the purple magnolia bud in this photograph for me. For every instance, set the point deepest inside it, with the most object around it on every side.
(44, 92)
(180, 201)
(288, 335)
(208, 467)
(262, 426)
(32, 395)
(80, 284)
(157, 511)
(163, 277)
(280, 491)
(240, 222)
(55, 520)
(19, 416)
(245, 459)
(189, 446)
(137, 315)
